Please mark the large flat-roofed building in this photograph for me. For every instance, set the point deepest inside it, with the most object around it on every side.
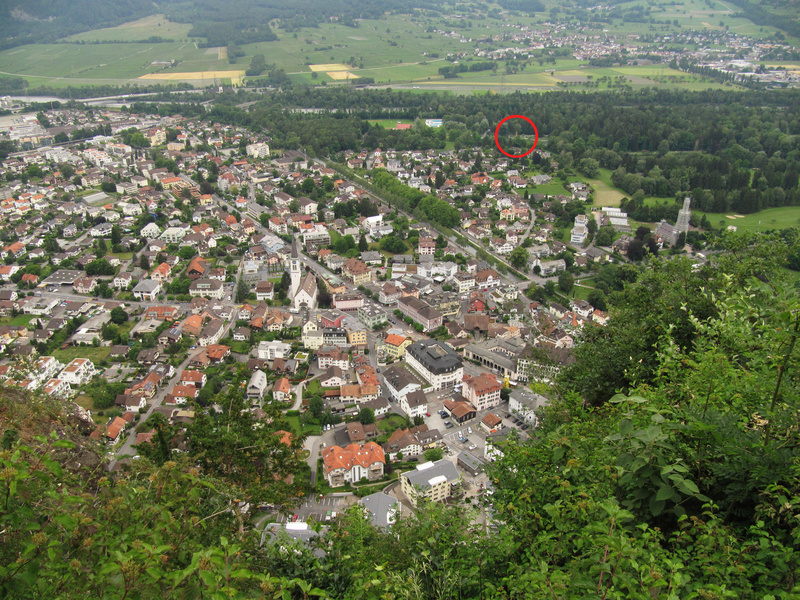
(436, 362)
(431, 480)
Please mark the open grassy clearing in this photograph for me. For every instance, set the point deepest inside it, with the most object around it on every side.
(143, 29)
(390, 123)
(43, 64)
(772, 218)
(94, 354)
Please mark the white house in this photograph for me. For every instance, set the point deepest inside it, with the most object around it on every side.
(147, 290)
(273, 350)
(257, 386)
(150, 231)
(78, 372)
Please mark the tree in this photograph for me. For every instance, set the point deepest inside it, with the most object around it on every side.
(566, 281)
(518, 258)
(99, 266)
(433, 454)
(118, 315)
(362, 243)
(393, 244)
(242, 290)
(366, 416)
(144, 262)
(636, 250)
(316, 405)
(605, 236)
(597, 299)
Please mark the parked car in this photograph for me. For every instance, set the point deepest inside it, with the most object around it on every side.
(448, 424)
(427, 414)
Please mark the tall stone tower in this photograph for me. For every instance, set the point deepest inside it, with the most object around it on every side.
(682, 225)
(295, 268)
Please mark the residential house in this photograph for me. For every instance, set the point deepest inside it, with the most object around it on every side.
(147, 290)
(353, 463)
(282, 390)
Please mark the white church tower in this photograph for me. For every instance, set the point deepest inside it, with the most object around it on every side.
(295, 268)
(684, 215)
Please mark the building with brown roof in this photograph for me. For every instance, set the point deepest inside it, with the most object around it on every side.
(197, 268)
(460, 410)
(353, 463)
(358, 272)
(420, 311)
(483, 390)
(282, 390)
(491, 423)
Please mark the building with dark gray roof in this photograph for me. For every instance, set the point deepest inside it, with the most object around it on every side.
(436, 362)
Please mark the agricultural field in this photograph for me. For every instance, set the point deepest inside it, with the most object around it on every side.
(59, 65)
(136, 31)
(398, 50)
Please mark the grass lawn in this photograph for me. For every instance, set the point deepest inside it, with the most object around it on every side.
(766, 220)
(84, 402)
(390, 423)
(605, 194)
(123, 255)
(294, 423)
(554, 188)
(312, 388)
(240, 347)
(95, 354)
(22, 320)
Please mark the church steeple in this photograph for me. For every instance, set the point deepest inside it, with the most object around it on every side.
(295, 267)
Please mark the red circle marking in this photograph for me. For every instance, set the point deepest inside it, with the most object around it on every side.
(535, 140)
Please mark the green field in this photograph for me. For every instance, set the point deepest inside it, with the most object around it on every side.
(404, 50)
(773, 218)
(389, 123)
(605, 194)
(96, 355)
(143, 29)
(59, 65)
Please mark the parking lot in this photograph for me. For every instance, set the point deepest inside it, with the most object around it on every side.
(316, 507)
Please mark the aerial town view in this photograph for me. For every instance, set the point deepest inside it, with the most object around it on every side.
(402, 300)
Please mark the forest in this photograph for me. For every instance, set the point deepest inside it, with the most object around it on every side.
(731, 151)
(234, 21)
(665, 467)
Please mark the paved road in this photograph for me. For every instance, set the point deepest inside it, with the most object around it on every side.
(127, 449)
